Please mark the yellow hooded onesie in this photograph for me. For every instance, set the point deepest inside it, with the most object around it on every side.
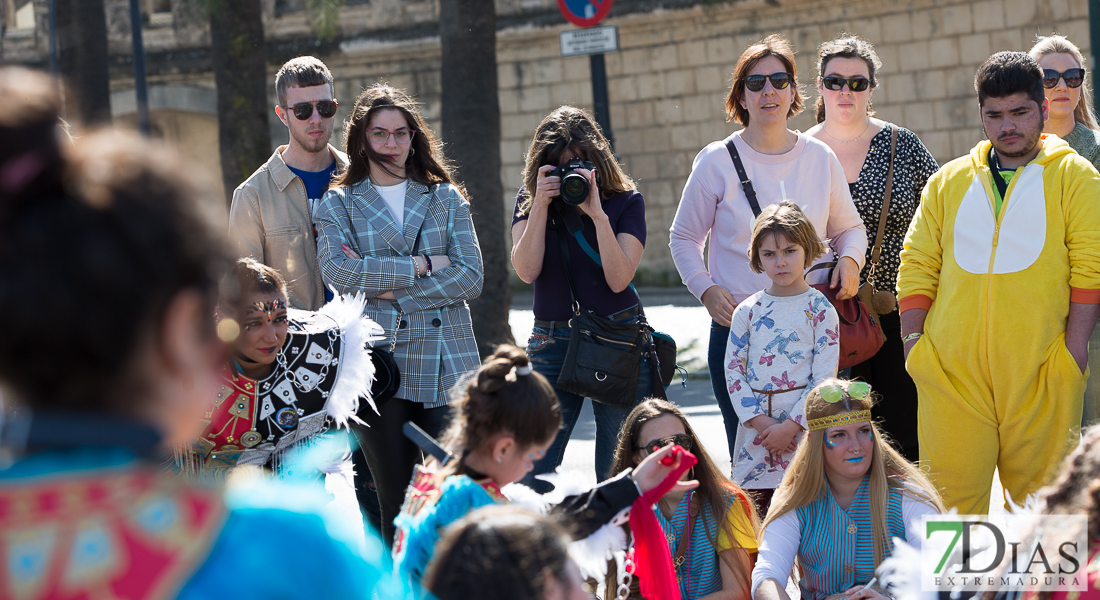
(996, 385)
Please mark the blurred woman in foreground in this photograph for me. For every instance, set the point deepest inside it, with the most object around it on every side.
(108, 276)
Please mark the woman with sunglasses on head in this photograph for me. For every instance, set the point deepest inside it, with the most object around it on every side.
(396, 227)
(780, 164)
(711, 529)
(846, 495)
(1072, 118)
(847, 70)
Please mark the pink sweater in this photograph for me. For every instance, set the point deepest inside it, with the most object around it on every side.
(714, 204)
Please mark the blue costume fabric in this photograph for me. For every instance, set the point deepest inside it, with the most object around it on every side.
(837, 548)
(265, 541)
(420, 526)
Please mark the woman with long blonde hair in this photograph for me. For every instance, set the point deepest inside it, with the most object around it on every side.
(847, 493)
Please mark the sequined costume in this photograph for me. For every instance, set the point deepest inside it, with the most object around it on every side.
(319, 375)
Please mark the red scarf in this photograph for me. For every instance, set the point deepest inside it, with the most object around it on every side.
(652, 558)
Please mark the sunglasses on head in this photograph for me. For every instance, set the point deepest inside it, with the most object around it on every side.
(681, 439)
(1074, 78)
(834, 392)
(304, 110)
(755, 83)
(856, 84)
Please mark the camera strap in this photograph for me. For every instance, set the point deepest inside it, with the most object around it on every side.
(746, 183)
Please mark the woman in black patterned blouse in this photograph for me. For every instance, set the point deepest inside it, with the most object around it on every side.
(846, 81)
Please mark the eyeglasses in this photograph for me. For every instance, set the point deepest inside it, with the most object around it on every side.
(304, 110)
(755, 83)
(856, 84)
(856, 390)
(1074, 78)
(681, 439)
(381, 136)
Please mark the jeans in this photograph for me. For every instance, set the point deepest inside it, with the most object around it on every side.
(546, 349)
(716, 361)
(390, 455)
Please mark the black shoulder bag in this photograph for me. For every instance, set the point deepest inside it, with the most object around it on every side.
(604, 357)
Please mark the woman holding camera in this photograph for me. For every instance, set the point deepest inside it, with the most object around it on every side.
(781, 164)
(612, 226)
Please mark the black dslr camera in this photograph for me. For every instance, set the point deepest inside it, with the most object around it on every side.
(574, 186)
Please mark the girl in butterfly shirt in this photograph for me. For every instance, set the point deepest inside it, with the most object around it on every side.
(784, 340)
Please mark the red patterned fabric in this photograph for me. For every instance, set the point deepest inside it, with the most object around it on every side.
(125, 534)
(651, 553)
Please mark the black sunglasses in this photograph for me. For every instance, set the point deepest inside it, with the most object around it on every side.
(304, 110)
(682, 439)
(755, 83)
(1074, 78)
(856, 84)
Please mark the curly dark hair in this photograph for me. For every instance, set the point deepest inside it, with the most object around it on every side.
(498, 399)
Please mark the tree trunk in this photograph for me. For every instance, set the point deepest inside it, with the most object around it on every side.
(82, 49)
(471, 132)
(240, 73)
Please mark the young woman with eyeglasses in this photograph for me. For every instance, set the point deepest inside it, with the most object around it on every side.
(847, 78)
(1069, 92)
(781, 164)
(846, 495)
(717, 518)
(396, 227)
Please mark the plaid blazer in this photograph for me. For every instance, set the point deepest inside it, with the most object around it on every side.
(435, 336)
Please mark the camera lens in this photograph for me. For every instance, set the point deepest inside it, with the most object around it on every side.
(574, 189)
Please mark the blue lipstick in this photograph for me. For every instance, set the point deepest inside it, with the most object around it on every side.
(854, 460)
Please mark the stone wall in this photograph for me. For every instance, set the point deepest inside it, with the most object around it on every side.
(667, 84)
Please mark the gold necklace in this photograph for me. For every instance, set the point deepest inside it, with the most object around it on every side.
(853, 140)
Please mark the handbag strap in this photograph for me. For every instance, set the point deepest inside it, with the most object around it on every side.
(746, 183)
(884, 211)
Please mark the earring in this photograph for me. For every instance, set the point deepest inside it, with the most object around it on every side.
(412, 151)
(499, 459)
(362, 153)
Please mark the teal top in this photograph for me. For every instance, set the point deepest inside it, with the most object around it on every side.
(1085, 142)
(273, 543)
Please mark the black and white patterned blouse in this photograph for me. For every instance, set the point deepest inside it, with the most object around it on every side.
(913, 165)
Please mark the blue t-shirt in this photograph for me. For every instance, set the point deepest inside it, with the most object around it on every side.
(316, 183)
(626, 213)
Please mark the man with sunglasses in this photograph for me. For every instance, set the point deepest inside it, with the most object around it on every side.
(272, 215)
(999, 290)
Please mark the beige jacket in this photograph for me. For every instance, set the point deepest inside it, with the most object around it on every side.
(269, 220)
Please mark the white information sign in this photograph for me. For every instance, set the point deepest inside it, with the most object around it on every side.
(594, 40)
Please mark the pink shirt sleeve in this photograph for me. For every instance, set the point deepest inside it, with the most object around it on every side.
(692, 224)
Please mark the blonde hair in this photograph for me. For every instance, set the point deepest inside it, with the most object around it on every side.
(788, 220)
(805, 481)
(1059, 44)
(570, 128)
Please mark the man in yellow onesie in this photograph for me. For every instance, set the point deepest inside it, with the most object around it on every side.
(999, 290)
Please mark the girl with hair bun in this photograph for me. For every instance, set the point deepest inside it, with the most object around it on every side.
(846, 495)
(503, 420)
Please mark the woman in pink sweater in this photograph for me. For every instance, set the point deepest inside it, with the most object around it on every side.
(781, 164)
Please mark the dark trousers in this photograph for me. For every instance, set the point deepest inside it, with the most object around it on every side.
(365, 492)
(716, 361)
(391, 456)
(896, 409)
